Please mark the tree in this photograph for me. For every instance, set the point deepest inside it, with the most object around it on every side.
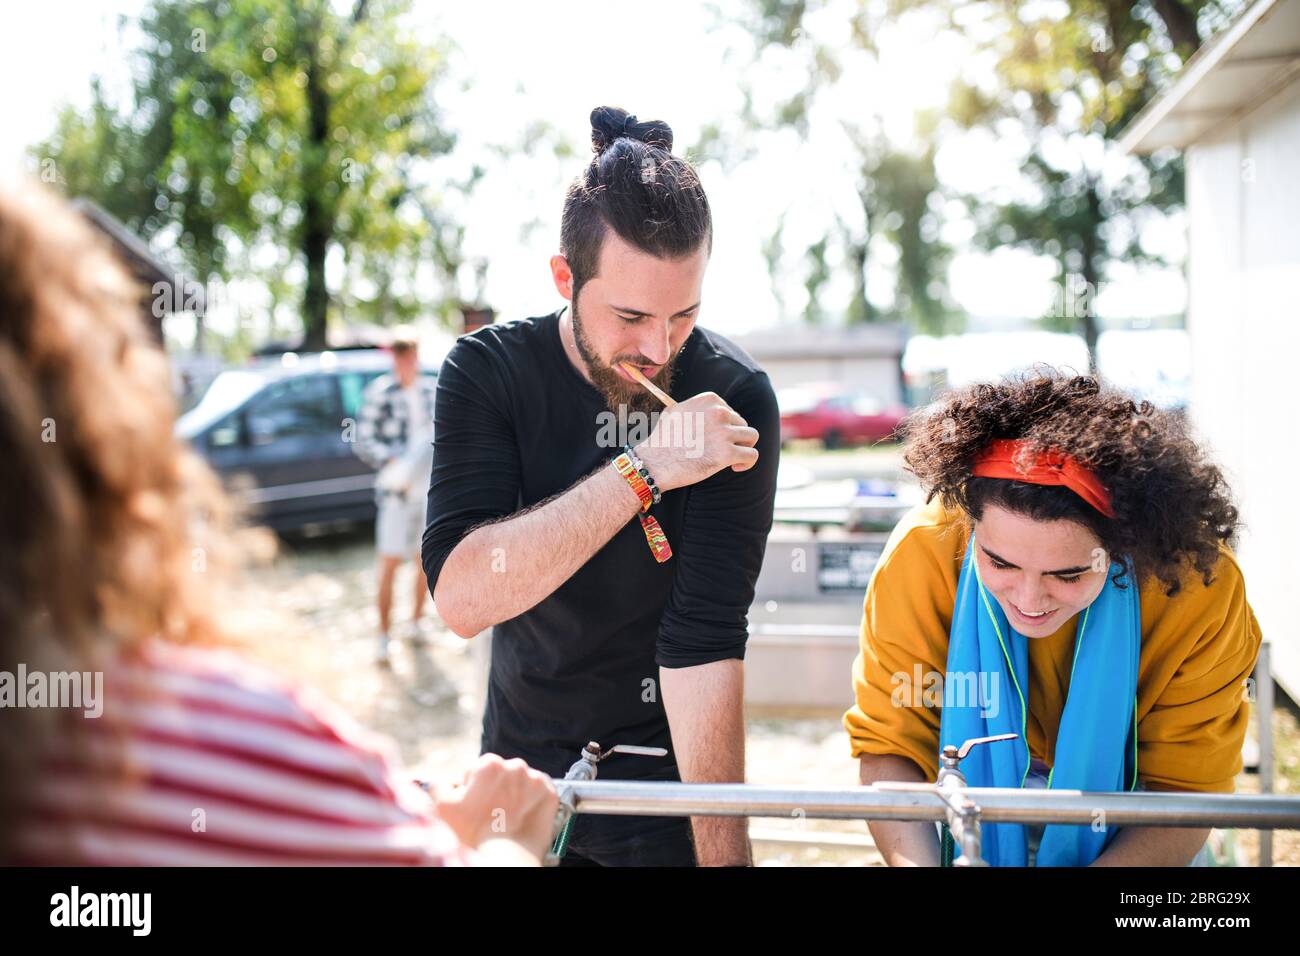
(282, 127)
(896, 192)
(1071, 76)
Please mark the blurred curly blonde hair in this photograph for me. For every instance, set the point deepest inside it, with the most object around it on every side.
(106, 518)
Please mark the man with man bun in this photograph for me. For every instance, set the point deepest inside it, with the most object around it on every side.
(610, 541)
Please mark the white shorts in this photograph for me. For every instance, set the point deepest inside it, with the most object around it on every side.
(399, 526)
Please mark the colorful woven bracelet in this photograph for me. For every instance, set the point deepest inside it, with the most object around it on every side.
(655, 537)
(644, 472)
(654, 534)
(623, 465)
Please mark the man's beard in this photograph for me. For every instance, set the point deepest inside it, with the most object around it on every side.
(615, 389)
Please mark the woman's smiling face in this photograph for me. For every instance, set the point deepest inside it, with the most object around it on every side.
(1031, 566)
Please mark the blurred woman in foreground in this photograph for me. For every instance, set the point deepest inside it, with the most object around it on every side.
(111, 541)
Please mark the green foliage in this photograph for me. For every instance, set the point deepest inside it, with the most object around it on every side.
(1071, 76)
(897, 188)
(899, 191)
(282, 126)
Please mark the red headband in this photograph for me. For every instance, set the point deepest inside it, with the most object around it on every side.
(1047, 468)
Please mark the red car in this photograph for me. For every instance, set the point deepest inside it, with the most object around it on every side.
(835, 416)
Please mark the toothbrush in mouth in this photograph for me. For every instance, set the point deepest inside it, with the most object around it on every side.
(649, 386)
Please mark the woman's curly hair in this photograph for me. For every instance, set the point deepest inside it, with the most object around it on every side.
(1172, 505)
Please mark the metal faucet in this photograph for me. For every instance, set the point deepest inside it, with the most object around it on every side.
(963, 812)
(584, 768)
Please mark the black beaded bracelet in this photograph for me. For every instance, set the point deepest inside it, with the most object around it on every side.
(644, 472)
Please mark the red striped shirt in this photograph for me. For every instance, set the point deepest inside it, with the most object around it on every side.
(215, 762)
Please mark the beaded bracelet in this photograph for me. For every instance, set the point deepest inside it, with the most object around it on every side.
(644, 472)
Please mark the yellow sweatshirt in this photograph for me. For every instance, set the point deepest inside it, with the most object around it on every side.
(1198, 649)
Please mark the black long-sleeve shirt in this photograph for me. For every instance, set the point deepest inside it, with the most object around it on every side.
(515, 424)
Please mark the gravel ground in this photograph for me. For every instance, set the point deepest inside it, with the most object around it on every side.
(312, 609)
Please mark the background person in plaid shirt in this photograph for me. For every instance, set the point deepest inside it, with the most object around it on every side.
(395, 436)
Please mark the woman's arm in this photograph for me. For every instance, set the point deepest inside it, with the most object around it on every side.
(505, 811)
(1153, 846)
(900, 842)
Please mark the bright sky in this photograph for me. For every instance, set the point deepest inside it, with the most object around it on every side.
(668, 60)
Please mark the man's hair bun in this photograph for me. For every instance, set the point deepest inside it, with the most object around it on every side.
(637, 189)
(609, 123)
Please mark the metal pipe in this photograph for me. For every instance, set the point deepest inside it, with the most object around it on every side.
(920, 802)
(1264, 729)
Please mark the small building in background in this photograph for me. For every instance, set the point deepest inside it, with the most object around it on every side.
(1234, 111)
(863, 358)
(163, 290)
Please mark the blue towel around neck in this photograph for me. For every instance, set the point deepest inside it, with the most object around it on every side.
(1096, 744)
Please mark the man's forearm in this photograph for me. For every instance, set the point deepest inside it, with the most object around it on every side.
(705, 706)
(1153, 846)
(500, 570)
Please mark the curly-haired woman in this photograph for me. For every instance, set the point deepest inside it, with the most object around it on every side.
(1068, 579)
